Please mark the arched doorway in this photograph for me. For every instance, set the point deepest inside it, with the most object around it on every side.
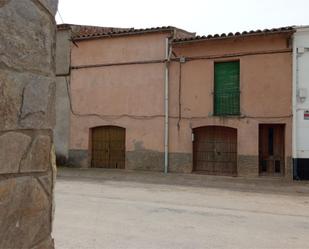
(108, 147)
(215, 150)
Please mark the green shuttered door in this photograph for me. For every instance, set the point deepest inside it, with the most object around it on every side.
(226, 98)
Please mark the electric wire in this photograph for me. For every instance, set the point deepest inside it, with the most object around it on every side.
(149, 117)
(60, 16)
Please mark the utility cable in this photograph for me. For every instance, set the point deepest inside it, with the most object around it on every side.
(60, 16)
(149, 117)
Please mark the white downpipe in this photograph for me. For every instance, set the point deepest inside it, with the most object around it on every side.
(294, 99)
(166, 86)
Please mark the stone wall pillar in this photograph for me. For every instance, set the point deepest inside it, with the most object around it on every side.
(27, 96)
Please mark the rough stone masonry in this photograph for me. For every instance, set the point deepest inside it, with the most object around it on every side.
(27, 94)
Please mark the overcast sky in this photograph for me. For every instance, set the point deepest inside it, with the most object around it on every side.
(201, 16)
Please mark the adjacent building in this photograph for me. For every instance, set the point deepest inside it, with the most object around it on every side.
(165, 99)
(301, 102)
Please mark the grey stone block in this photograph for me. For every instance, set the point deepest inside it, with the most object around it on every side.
(26, 101)
(13, 147)
(37, 97)
(27, 43)
(11, 90)
(25, 213)
(38, 158)
(46, 182)
(46, 244)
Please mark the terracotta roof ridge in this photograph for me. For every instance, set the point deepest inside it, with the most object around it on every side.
(128, 31)
(236, 34)
(86, 26)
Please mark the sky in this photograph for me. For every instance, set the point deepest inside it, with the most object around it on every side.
(200, 16)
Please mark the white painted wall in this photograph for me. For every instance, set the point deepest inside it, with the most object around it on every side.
(300, 82)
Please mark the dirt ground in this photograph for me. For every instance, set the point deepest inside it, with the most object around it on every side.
(98, 209)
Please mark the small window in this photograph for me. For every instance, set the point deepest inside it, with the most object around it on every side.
(226, 94)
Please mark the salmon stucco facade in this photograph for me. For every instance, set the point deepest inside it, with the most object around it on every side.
(227, 98)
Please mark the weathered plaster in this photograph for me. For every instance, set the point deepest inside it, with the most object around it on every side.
(132, 96)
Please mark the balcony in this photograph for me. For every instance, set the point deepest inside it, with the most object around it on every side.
(226, 104)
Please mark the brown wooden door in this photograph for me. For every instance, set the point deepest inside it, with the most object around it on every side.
(271, 149)
(108, 147)
(215, 150)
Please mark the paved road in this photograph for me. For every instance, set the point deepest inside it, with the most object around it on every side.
(94, 213)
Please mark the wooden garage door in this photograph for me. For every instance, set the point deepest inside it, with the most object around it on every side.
(108, 147)
(215, 150)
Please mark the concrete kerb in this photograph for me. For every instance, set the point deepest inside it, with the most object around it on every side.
(245, 184)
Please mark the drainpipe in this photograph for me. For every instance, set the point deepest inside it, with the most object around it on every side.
(166, 86)
(294, 106)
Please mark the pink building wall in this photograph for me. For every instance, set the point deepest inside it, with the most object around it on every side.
(129, 96)
(132, 96)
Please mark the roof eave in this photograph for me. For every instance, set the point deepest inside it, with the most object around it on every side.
(192, 40)
(125, 33)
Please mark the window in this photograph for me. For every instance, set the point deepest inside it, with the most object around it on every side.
(226, 95)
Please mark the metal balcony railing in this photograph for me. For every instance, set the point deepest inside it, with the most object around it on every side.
(227, 104)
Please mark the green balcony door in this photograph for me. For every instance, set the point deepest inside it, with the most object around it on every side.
(227, 92)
